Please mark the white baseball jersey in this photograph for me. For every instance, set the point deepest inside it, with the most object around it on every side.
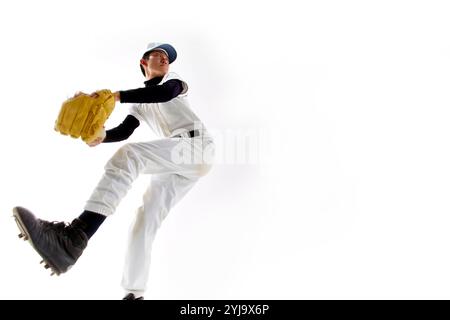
(168, 118)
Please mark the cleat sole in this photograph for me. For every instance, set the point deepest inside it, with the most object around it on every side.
(26, 237)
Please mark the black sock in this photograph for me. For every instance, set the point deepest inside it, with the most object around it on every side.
(92, 220)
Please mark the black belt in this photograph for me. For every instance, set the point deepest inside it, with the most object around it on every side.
(192, 134)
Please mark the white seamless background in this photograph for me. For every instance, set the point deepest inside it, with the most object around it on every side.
(350, 103)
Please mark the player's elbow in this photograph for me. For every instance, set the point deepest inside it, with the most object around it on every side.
(128, 133)
(167, 94)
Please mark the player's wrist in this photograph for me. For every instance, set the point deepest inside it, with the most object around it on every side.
(117, 96)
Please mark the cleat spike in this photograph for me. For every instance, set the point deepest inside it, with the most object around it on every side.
(21, 235)
(42, 261)
(51, 274)
(46, 266)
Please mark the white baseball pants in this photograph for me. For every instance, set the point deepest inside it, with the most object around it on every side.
(175, 164)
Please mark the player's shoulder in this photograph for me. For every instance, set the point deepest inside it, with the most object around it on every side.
(175, 76)
(171, 76)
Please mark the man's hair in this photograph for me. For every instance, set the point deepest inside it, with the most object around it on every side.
(145, 57)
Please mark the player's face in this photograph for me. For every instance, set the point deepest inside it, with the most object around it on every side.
(158, 61)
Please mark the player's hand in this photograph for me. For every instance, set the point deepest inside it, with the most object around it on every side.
(92, 95)
(96, 142)
(78, 93)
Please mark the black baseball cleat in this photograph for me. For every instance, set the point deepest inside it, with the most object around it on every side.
(59, 244)
(131, 296)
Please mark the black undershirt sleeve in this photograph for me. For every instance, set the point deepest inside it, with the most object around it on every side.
(153, 94)
(150, 94)
(122, 131)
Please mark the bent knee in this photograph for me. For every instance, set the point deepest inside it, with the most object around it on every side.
(123, 156)
(127, 150)
(203, 169)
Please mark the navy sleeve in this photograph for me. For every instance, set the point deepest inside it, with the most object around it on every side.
(152, 94)
(123, 131)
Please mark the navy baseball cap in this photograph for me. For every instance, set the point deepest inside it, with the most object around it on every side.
(165, 47)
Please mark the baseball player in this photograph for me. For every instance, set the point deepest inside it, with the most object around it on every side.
(175, 162)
